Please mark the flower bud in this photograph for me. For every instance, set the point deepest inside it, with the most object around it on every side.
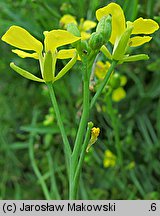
(105, 27)
(115, 81)
(96, 41)
(72, 28)
(94, 136)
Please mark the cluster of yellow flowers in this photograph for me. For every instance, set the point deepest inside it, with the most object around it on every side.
(47, 54)
(127, 34)
(123, 35)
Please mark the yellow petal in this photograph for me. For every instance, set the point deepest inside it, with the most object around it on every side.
(144, 26)
(25, 73)
(118, 19)
(57, 38)
(20, 38)
(137, 41)
(85, 35)
(66, 19)
(67, 53)
(118, 94)
(87, 25)
(23, 54)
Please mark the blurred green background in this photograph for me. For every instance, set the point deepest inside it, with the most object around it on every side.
(26, 117)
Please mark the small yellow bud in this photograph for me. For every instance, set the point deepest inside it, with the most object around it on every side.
(94, 135)
(95, 132)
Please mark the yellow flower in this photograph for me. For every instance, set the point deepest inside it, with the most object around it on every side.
(95, 133)
(94, 136)
(66, 19)
(118, 94)
(109, 159)
(122, 31)
(84, 26)
(47, 54)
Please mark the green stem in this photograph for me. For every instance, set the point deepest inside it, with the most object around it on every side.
(115, 126)
(81, 159)
(103, 84)
(137, 183)
(67, 148)
(54, 187)
(33, 162)
(81, 131)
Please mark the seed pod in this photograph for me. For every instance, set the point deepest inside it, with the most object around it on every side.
(47, 68)
(105, 27)
(96, 41)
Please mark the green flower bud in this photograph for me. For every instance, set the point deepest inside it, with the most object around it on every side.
(72, 28)
(47, 68)
(105, 27)
(96, 41)
(115, 81)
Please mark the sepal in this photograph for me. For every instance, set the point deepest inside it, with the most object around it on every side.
(120, 48)
(25, 73)
(135, 58)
